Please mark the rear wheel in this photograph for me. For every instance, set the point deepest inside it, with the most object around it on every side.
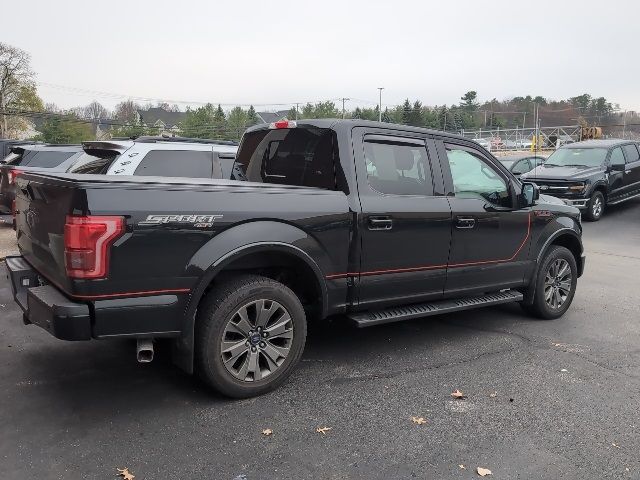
(595, 207)
(250, 334)
(555, 284)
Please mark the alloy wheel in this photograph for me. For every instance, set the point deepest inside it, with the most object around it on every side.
(596, 208)
(557, 283)
(256, 340)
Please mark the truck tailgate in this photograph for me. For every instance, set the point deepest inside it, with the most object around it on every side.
(41, 210)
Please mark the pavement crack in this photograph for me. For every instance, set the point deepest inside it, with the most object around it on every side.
(397, 373)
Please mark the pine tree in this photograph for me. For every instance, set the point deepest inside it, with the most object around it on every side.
(252, 117)
(406, 112)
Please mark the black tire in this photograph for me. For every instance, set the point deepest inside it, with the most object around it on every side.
(595, 207)
(216, 312)
(540, 308)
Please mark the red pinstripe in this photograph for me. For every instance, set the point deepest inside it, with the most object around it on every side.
(435, 267)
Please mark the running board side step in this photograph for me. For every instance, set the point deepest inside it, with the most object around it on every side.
(397, 314)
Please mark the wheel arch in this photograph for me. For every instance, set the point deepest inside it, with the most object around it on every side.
(564, 237)
(277, 259)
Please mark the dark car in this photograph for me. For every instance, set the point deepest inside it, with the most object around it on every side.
(32, 157)
(342, 219)
(521, 164)
(591, 174)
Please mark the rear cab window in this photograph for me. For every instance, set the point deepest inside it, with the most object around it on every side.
(302, 156)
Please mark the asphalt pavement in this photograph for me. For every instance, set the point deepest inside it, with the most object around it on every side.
(544, 399)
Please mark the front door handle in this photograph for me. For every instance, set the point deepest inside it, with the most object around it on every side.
(627, 172)
(465, 222)
(380, 223)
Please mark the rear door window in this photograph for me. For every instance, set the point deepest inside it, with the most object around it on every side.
(397, 168)
(297, 156)
(176, 163)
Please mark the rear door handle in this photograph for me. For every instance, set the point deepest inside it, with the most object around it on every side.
(380, 223)
(465, 222)
(627, 172)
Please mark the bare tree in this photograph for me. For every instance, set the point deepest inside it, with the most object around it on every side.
(15, 74)
(95, 111)
(127, 112)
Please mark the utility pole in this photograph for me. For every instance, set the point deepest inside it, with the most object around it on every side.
(624, 124)
(297, 111)
(344, 100)
(380, 104)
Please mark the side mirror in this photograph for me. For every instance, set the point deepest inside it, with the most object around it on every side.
(530, 193)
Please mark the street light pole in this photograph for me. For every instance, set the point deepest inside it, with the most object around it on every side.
(380, 104)
(343, 100)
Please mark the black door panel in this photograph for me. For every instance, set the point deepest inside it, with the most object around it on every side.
(405, 228)
(490, 238)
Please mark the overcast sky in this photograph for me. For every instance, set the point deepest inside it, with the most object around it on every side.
(269, 52)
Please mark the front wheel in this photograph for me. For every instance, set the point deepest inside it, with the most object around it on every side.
(595, 207)
(555, 284)
(250, 334)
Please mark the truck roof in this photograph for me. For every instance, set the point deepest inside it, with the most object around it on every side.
(338, 123)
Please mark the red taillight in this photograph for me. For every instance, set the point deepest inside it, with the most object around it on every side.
(12, 174)
(283, 124)
(86, 244)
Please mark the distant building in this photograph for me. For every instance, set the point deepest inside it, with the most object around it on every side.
(167, 123)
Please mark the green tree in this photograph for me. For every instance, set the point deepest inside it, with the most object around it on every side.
(406, 112)
(220, 128)
(199, 123)
(583, 102)
(469, 101)
(237, 122)
(252, 117)
(65, 129)
(415, 117)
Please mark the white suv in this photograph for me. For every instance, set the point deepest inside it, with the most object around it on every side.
(160, 157)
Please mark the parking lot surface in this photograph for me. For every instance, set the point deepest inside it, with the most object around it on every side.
(544, 399)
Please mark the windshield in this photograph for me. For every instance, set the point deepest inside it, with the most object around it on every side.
(577, 157)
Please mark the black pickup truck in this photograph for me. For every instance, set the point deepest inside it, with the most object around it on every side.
(342, 219)
(591, 175)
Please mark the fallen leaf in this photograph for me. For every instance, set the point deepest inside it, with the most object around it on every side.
(125, 473)
(493, 395)
(458, 395)
(483, 472)
(323, 430)
(462, 467)
(564, 370)
(267, 432)
(615, 445)
(418, 420)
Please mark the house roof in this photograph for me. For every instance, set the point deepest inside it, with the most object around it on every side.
(170, 119)
(270, 117)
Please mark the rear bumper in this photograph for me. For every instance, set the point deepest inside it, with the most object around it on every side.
(45, 306)
(48, 307)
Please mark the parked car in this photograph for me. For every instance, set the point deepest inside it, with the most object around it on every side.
(519, 164)
(32, 157)
(591, 175)
(6, 144)
(161, 157)
(483, 142)
(374, 221)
